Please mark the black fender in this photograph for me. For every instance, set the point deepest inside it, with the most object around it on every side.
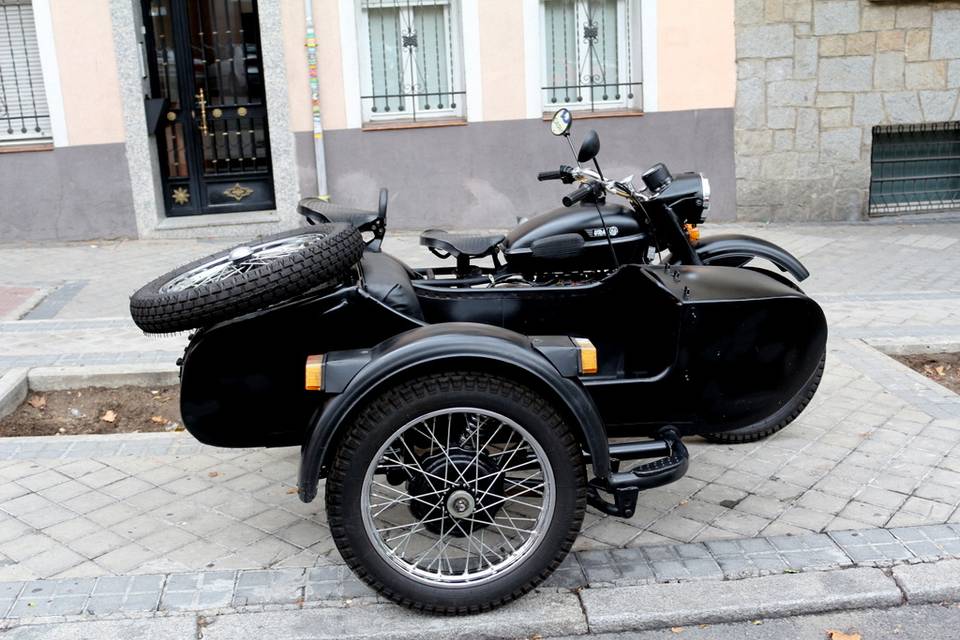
(361, 374)
(735, 250)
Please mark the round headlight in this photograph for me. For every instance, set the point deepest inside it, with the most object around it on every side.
(706, 191)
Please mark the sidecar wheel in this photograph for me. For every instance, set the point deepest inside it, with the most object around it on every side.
(246, 278)
(456, 493)
(778, 421)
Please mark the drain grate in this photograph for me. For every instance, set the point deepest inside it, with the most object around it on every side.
(915, 168)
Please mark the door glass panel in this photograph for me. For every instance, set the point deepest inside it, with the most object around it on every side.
(176, 150)
(162, 18)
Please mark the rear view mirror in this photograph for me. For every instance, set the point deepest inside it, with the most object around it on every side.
(590, 147)
(561, 123)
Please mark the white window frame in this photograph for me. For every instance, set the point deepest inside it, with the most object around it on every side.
(644, 58)
(454, 43)
(43, 24)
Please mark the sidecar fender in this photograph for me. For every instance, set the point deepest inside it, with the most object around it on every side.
(735, 250)
(353, 377)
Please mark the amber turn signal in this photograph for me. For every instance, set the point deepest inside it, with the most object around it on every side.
(314, 379)
(588, 356)
(693, 233)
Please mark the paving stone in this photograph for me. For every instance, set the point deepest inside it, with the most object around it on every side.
(871, 546)
(197, 591)
(334, 582)
(929, 542)
(52, 597)
(279, 586)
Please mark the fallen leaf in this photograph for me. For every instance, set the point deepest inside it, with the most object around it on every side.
(158, 419)
(213, 474)
(939, 371)
(676, 629)
(38, 402)
(109, 416)
(684, 503)
(840, 635)
(292, 490)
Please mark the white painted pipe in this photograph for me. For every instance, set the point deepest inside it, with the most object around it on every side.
(318, 150)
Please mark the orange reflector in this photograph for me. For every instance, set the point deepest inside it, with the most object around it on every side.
(588, 355)
(314, 381)
(693, 233)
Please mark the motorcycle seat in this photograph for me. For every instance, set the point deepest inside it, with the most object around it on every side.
(318, 210)
(460, 244)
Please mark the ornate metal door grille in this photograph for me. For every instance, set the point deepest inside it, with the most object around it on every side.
(212, 137)
(588, 54)
(24, 116)
(915, 168)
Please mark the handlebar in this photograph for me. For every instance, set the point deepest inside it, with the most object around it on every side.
(580, 194)
(550, 175)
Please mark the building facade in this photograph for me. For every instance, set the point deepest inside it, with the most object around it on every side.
(195, 118)
(847, 108)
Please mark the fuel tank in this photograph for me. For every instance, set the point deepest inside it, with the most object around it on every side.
(573, 239)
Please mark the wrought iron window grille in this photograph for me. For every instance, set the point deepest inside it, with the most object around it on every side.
(411, 58)
(24, 115)
(588, 52)
(915, 168)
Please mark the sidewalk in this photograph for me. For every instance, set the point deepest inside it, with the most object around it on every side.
(878, 452)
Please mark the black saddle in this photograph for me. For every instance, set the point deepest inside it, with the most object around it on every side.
(319, 211)
(444, 244)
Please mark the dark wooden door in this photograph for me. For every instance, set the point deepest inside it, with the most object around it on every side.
(205, 61)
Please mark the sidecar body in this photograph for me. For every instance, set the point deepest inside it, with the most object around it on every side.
(697, 349)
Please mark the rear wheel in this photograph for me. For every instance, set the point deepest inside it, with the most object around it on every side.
(456, 493)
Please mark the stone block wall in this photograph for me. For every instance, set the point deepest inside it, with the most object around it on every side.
(814, 77)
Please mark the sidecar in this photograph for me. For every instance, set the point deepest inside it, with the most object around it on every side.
(651, 353)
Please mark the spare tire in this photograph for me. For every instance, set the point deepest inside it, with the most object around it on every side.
(246, 278)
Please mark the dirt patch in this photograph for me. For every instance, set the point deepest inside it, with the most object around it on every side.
(95, 410)
(939, 367)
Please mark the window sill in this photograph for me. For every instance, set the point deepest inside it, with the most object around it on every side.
(26, 148)
(588, 115)
(420, 124)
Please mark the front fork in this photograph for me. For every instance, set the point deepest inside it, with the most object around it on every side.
(668, 226)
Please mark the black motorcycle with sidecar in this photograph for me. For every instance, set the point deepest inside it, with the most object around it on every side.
(462, 416)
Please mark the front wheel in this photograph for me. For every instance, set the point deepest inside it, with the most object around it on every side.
(456, 493)
(779, 420)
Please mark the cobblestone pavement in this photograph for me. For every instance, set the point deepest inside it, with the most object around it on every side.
(879, 447)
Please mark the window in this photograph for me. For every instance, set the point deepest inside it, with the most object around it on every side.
(588, 51)
(411, 61)
(24, 116)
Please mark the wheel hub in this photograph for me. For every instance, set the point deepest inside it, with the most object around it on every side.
(240, 254)
(470, 503)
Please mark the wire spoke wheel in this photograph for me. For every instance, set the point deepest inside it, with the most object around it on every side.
(456, 492)
(240, 260)
(458, 497)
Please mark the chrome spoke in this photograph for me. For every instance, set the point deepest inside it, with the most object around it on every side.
(230, 265)
(473, 498)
